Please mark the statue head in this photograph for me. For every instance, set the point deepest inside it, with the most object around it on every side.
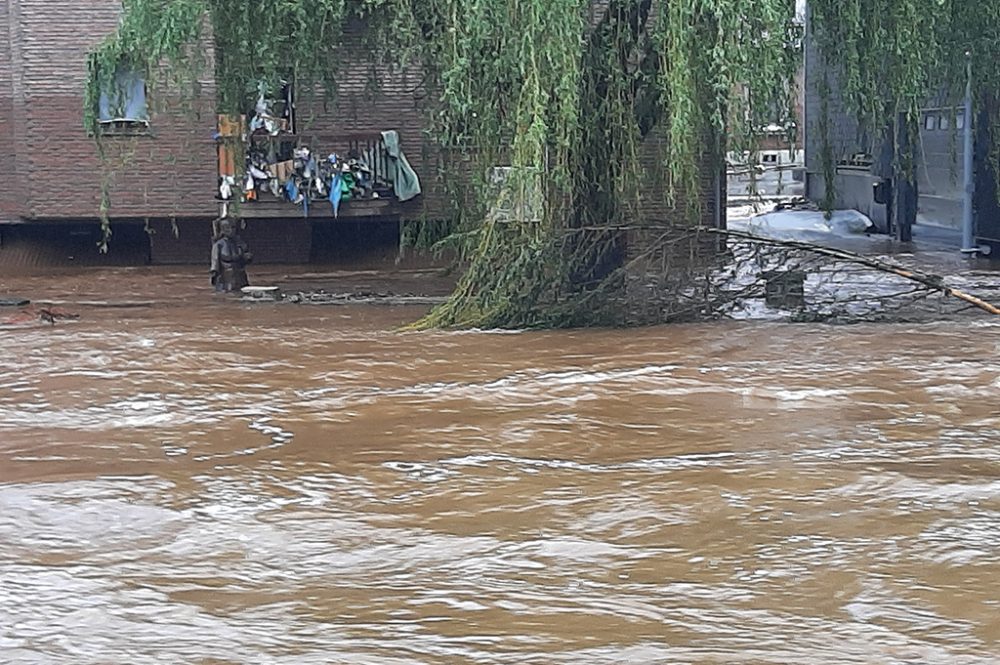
(226, 228)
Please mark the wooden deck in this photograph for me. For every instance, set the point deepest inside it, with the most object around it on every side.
(322, 211)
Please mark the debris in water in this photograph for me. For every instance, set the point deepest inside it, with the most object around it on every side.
(31, 314)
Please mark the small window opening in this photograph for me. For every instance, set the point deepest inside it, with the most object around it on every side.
(930, 123)
(945, 123)
(273, 115)
(123, 100)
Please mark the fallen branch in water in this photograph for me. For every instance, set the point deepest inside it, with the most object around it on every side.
(116, 304)
(933, 282)
(350, 299)
(33, 313)
(666, 234)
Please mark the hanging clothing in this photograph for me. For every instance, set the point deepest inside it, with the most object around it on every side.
(347, 185)
(336, 193)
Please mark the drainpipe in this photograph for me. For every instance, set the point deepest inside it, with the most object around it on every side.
(968, 232)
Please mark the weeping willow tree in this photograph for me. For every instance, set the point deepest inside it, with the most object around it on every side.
(563, 93)
(568, 95)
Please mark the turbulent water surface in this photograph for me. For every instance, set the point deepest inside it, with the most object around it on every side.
(206, 481)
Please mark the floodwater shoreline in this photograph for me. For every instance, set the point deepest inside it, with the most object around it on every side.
(186, 481)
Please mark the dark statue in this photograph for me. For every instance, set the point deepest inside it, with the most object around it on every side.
(230, 256)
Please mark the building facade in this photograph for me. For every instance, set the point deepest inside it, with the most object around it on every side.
(161, 174)
(865, 177)
(163, 160)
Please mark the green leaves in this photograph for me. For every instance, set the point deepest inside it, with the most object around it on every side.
(568, 93)
(893, 57)
(896, 54)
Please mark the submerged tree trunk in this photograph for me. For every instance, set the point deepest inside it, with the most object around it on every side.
(905, 190)
(617, 83)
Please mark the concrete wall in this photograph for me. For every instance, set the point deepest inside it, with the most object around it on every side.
(939, 155)
(842, 130)
(854, 189)
(836, 129)
(280, 240)
(940, 174)
(987, 195)
(25, 247)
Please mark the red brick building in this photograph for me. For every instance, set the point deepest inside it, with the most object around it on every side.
(164, 174)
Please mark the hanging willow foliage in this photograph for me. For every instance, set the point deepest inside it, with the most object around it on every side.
(563, 92)
(893, 57)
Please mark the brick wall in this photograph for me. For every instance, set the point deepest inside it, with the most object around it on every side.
(661, 262)
(654, 203)
(9, 203)
(56, 160)
(361, 106)
(171, 172)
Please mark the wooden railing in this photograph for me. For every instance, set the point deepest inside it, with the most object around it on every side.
(363, 146)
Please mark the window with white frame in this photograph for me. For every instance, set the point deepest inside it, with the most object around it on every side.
(123, 99)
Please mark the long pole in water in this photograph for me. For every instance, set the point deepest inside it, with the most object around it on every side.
(968, 233)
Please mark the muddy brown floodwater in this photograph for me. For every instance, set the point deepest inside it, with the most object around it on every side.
(206, 481)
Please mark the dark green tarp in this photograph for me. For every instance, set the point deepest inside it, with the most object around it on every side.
(405, 182)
